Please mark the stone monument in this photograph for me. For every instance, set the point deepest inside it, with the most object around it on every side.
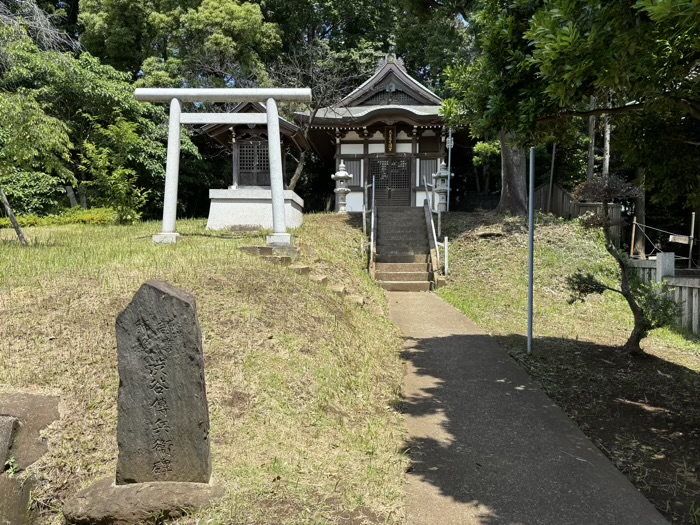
(163, 465)
(163, 425)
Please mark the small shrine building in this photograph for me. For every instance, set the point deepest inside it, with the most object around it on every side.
(388, 130)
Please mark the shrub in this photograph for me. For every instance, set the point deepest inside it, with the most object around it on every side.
(69, 216)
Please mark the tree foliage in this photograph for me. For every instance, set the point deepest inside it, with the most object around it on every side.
(205, 42)
(82, 105)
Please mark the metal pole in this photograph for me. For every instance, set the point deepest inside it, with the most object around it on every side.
(279, 221)
(692, 237)
(531, 276)
(551, 179)
(449, 167)
(447, 260)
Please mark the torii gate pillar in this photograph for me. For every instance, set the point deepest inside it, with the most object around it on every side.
(169, 234)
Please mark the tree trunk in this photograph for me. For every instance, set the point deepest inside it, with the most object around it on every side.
(13, 219)
(591, 142)
(640, 329)
(82, 196)
(476, 179)
(513, 164)
(73, 11)
(487, 179)
(298, 171)
(606, 146)
(71, 196)
(640, 212)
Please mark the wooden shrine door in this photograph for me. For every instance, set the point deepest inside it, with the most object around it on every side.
(393, 180)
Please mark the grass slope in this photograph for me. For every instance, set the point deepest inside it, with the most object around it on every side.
(644, 414)
(300, 382)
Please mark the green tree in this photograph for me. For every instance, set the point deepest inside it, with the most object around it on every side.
(91, 101)
(651, 306)
(33, 152)
(344, 25)
(495, 93)
(202, 42)
(642, 58)
(429, 39)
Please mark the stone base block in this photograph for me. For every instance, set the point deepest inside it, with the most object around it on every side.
(14, 500)
(251, 207)
(280, 239)
(106, 503)
(165, 238)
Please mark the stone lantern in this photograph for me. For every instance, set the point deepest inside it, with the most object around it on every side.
(341, 178)
(440, 188)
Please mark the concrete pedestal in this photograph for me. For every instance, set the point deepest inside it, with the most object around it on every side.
(251, 207)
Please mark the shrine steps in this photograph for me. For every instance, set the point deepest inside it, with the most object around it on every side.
(403, 251)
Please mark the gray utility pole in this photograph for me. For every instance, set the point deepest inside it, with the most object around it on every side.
(531, 268)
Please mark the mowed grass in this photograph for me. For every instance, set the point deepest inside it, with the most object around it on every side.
(300, 382)
(642, 413)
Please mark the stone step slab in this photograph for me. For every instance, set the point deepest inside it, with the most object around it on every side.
(320, 279)
(403, 276)
(397, 210)
(420, 244)
(268, 251)
(401, 267)
(385, 258)
(402, 251)
(300, 269)
(401, 223)
(405, 286)
(338, 290)
(355, 299)
(394, 232)
(277, 259)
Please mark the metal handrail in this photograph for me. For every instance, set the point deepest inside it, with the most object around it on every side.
(432, 223)
(373, 229)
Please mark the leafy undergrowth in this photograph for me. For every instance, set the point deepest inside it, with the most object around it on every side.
(642, 413)
(300, 382)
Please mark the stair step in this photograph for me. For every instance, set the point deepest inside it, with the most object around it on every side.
(413, 244)
(338, 290)
(301, 270)
(278, 259)
(403, 276)
(405, 286)
(401, 267)
(399, 209)
(400, 222)
(399, 232)
(398, 250)
(320, 279)
(356, 299)
(385, 258)
(267, 251)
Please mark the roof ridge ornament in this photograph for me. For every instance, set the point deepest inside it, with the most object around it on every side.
(391, 58)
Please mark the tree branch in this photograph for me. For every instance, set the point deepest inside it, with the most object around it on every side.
(593, 112)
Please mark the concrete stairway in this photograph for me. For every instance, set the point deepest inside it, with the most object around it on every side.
(403, 252)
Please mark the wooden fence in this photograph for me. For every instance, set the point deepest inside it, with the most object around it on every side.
(564, 205)
(685, 286)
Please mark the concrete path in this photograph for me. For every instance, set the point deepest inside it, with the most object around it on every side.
(487, 445)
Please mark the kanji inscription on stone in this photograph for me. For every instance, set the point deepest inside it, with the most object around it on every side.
(163, 425)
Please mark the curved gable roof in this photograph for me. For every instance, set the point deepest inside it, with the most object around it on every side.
(391, 69)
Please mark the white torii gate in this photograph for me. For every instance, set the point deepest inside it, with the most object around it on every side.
(175, 96)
